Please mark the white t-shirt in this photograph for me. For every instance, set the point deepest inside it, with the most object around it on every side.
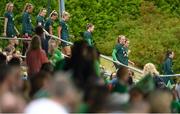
(45, 106)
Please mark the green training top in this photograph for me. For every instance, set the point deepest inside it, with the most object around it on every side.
(126, 58)
(120, 88)
(88, 37)
(119, 54)
(57, 56)
(26, 23)
(64, 31)
(167, 66)
(48, 23)
(40, 21)
(10, 31)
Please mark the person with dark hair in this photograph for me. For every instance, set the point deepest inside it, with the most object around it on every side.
(167, 65)
(49, 27)
(88, 34)
(130, 78)
(54, 54)
(119, 52)
(27, 27)
(40, 21)
(47, 67)
(7, 79)
(64, 97)
(84, 64)
(15, 61)
(3, 59)
(35, 56)
(40, 32)
(39, 85)
(122, 84)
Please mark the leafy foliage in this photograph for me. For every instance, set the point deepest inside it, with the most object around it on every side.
(153, 26)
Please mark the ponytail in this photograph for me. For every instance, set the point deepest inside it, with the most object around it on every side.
(41, 10)
(53, 13)
(28, 5)
(65, 14)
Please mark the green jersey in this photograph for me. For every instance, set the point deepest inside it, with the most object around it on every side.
(55, 57)
(120, 88)
(64, 31)
(26, 23)
(40, 21)
(126, 58)
(88, 37)
(167, 66)
(48, 23)
(10, 31)
(119, 54)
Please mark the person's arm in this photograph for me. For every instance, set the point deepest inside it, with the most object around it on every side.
(5, 26)
(114, 55)
(89, 42)
(50, 30)
(130, 62)
(59, 31)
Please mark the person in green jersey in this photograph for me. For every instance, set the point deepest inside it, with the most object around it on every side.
(54, 54)
(88, 34)
(27, 28)
(49, 27)
(119, 52)
(40, 21)
(9, 28)
(63, 33)
(167, 65)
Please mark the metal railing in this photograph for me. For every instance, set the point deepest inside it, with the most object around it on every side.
(103, 56)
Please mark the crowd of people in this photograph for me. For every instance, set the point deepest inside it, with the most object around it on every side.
(70, 79)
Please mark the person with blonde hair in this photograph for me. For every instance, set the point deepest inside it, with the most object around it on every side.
(9, 28)
(27, 27)
(119, 52)
(49, 27)
(63, 33)
(54, 54)
(40, 19)
(150, 69)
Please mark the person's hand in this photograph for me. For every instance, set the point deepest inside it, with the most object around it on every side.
(132, 63)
